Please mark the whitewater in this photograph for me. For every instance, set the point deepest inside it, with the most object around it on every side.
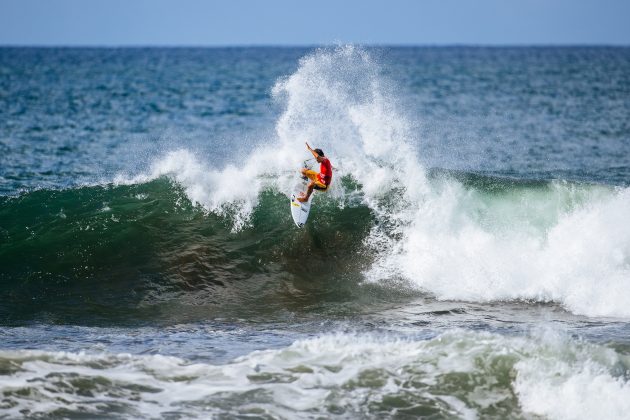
(470, 260)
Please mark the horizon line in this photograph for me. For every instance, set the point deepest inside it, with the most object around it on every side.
(323, 45)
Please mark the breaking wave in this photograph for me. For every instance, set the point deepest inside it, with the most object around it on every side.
(386, 219)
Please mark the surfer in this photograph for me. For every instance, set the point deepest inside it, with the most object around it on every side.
(319, 181)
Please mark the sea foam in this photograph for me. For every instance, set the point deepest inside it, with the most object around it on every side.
(459, 373)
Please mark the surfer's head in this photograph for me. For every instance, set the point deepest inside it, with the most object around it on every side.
(320, 154)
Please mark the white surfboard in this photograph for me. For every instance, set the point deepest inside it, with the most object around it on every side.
(300, 211)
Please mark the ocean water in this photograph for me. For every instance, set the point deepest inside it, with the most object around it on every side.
(471, 259)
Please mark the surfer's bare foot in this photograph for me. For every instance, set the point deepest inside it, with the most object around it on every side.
(301, 198)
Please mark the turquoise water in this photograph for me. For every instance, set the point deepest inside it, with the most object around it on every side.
(472, 259)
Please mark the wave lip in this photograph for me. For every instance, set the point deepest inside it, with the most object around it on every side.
(459, 373)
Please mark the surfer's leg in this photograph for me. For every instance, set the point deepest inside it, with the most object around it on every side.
(310, 174)
(303, 198)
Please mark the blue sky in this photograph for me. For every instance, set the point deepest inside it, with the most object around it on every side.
(301, 22)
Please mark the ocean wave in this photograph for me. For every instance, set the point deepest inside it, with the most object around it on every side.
(386, 217)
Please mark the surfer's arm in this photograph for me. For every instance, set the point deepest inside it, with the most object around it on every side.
(311, 150)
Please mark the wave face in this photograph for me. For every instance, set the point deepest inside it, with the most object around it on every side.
(457, 374)
(144, 251)
(187, 232)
